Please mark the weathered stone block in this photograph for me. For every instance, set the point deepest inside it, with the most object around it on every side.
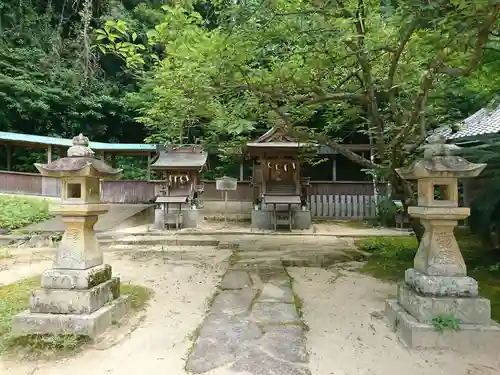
(262, 219)
(76, 279)
(64, 301)
(477, 338)
(286, 343)
(79, 248)
(273, 313)
(474, 310)
(302, 219)
(459, 286)
(233, 302)
(257, 362)
(27, 323)
(191, 218)
(220, 337)
(236, 279)
(275, 293)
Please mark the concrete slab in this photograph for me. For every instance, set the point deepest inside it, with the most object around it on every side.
(118, 216)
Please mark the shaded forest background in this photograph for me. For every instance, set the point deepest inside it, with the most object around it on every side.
(54, 81)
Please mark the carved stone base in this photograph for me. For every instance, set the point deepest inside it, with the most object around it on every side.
(440, 286)
(63, 301)
(91, 325)
(417, 335)
(468, 310)
(82, 302)
(76, 279)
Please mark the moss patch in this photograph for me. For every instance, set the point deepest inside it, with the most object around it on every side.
(393, 255)
(234, 258)
(100, 277)
(14, 298)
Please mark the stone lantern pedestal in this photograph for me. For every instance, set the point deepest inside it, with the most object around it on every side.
(78, 295)
(437, 287)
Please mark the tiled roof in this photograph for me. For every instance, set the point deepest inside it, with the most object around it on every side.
(483, 122)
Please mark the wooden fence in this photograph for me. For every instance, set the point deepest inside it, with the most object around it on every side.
(328, 200)
(343, 207)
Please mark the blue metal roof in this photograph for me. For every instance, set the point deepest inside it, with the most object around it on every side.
(63, 142)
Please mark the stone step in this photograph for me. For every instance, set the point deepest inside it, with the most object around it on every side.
(166, 241)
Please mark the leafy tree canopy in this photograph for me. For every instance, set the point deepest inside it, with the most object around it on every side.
(315, 68)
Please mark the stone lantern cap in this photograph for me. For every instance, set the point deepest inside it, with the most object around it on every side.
(439, 161)
(79, 162)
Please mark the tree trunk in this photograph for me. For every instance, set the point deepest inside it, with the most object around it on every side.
(402, 191)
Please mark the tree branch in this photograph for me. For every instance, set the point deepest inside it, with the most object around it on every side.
(482, 39)
(322, 140)
(417, 111)
(405, 38)
(318, 99)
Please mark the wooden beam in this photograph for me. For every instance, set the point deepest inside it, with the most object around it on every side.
(113, 160)
(334, 168)
(49, 154)
(9, 157)
(148, 173)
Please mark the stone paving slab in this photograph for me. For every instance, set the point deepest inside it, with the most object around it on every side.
(236, 279)
(275, 293)
(252, 327)
(257, 362)
(233, 302)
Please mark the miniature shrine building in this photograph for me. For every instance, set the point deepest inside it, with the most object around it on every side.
(279, 190)
(179, 183)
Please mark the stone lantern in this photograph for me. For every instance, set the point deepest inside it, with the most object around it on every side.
(438, 286)
(78, 294)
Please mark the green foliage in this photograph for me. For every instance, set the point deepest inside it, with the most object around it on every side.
(17, 212)
(391, 256)
(350, 64)
(50, 80)
(387, 211)
(120, 42)
(445, 322)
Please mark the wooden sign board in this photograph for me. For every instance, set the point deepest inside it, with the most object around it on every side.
(226, 183)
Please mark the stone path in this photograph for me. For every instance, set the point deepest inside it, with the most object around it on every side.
(253, 326)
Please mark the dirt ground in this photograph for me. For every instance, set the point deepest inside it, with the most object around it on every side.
(343, 310)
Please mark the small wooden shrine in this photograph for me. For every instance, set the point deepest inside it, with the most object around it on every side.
(280, 193)
(179, 185)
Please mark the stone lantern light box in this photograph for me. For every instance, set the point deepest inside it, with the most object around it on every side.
(78, 295)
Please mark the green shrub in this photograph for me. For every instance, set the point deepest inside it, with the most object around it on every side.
(17, 212)
(391, 256)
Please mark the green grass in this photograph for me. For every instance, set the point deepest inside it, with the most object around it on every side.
(14, 298)
(18, 212)
(391, 256)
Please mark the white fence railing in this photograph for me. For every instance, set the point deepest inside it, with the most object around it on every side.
(343, 207)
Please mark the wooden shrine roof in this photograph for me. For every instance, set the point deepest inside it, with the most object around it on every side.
(180, 157)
